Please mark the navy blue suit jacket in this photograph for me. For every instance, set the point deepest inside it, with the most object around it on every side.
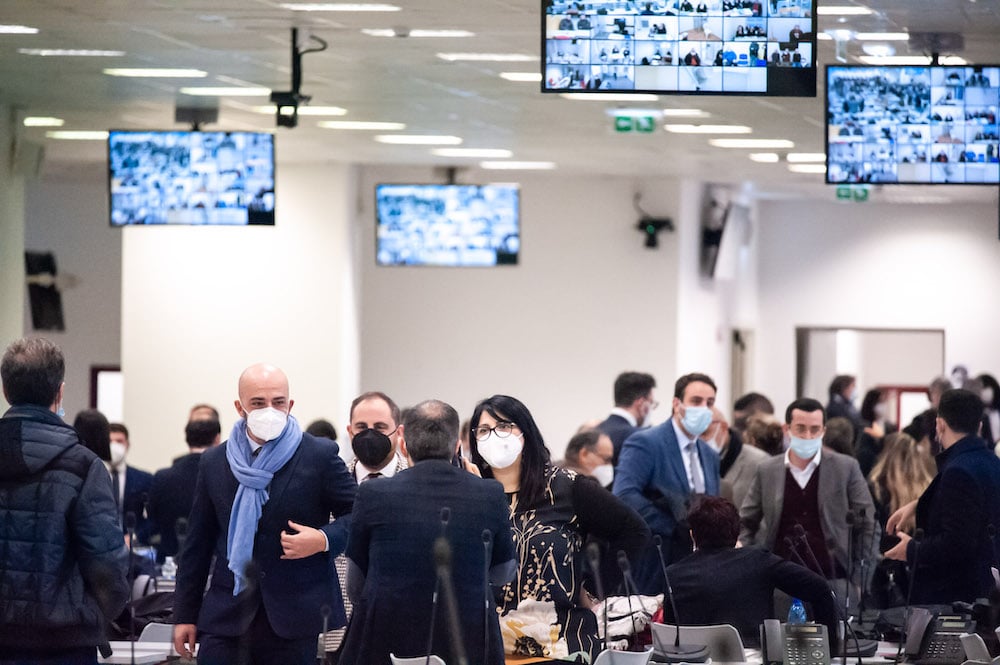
(955, 511)
(618, 429)
(170, 499)
(136, 496)
(651, 479)
(393, 529)
(313, 485)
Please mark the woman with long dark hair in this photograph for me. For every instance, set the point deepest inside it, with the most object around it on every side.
(554, 512)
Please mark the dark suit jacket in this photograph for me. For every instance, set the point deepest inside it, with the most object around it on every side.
(618, 429)
(170, 499)
(651, 479)
(313, 485)
(393, 529)
(955, 511)
(736, 586)
(136, 496)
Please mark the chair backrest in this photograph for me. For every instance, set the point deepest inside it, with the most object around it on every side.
(416, 660)
(723, 640)
(614, 657)
(157, 632)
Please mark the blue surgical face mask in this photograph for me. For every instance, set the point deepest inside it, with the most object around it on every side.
(806, 448)
(696, 419)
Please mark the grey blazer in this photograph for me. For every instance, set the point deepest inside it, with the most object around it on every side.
(736, 482)
(842, 489)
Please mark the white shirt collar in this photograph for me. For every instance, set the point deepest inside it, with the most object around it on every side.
(683, 438)
(627, 415)
(803, 476)
(362, 472)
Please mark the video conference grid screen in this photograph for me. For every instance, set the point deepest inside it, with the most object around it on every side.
(188, 177)
(912, 125)
(681, 46)
(447, 225)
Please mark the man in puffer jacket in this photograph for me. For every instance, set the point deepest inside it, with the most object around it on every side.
(63, 560)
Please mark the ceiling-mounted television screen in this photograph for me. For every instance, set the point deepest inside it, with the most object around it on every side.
(720, 47)
(912, 125)
(447, 225)
(191, 177)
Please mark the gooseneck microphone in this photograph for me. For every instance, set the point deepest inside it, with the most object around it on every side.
(487, 549)
(626, 569)
(904, 635)
(677, 653)
(442, 561)
(321, 649)
(594, 559)
(445, 516)
(130, 528)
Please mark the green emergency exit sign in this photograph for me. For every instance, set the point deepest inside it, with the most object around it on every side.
(640, 124)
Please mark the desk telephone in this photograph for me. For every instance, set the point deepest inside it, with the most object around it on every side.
(936, 639)
(794, 644)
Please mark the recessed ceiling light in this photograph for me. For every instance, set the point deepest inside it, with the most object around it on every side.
(418, 139)
(517, 166)
(685, 113)
(360, 124)
(487, 57)
(878, 49)
(842, 10)
(154, 72)
(418, 33)
(807, 168)
(633, 113)
(17, 30)
(824, 37)
(337, 7)
(908, 60)
(591, 97)
(43, 121)
(764, 157)
(760, 144)
(709, 129)
(481, 153)
(229, 91)
(303, 110)
(522, 77)
(78, 135)
(71, 52)
(806, 157)
(882, 36)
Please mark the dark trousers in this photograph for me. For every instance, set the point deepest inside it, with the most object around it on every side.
(258, 646)
(80, 656)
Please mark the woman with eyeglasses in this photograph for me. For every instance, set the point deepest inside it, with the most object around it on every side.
(554, 514)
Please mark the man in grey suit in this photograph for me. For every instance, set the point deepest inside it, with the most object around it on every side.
(798, 504)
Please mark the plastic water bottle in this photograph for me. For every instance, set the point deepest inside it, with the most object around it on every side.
(797, 612)
(169, 570)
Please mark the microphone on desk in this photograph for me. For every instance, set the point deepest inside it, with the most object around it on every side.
(487, 536)
(677, 652)
(630, 588)
(321, 647)
(130, 529)
(442, 561)
(594, 559)
(445, 516)
(904, 634)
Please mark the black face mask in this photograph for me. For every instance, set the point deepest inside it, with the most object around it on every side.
(371, 447)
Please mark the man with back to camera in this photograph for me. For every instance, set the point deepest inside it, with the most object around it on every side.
(375, 430)
(172, 491)
(706, 583)
(131, 485)
(747, 406)
(959, 511)
(662, 468)
(262, 511)
(392, 557)
(634, 401)
(64, 567)
(798, 503)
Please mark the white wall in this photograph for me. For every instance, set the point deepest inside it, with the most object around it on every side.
(876, 265)
(12, 288)
(200, 304)
(586, 302)
(70, 219)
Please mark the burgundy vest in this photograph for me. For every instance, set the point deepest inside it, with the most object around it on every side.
(801, 506)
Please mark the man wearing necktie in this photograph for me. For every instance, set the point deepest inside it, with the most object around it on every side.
(663, 469)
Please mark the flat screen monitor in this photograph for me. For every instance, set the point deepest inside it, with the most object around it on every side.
(447, 225)
(716, 47)
(190, 177)
(912, 125)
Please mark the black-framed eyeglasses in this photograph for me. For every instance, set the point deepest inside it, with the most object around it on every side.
(503, 429)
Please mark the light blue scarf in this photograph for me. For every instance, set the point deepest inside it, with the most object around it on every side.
(254, 476)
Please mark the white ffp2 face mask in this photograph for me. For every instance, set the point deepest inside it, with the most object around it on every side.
(604, 474)
(500, 452)
(118, 452)
(266, 424)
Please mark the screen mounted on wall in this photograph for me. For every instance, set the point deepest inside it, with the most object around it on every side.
(189, 177)
(447, 225)
(741, 47)
(912, 125)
